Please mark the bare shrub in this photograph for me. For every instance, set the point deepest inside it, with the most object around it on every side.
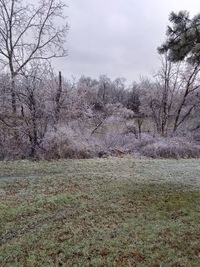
(126, 142)
(150, 146)
(66, 143)
(146, 139)
(171, 148)
(10, 149)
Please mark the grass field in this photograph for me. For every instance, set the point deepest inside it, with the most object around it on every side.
(105, 212)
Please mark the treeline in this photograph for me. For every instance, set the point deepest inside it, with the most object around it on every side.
(58, 118)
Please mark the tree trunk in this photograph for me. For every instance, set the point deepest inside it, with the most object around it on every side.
(58, 96)
(13, 96)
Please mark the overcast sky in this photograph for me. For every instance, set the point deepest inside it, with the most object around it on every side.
(117, 37)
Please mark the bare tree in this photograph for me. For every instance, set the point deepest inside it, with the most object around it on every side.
(104, 89)
(33, 98)
(29, 33)
(189, 99)
(169, 84)
(172, 98)
(133, 98)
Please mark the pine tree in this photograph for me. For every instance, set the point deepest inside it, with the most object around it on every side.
(183, 38)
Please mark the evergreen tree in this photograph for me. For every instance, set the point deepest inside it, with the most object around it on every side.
(183, 38)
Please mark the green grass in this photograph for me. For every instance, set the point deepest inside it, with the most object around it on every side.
(106, 212)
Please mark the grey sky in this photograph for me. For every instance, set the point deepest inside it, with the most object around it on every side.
(117, 37)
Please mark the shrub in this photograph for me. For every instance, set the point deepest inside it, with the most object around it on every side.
(66, 143)
(171, 148)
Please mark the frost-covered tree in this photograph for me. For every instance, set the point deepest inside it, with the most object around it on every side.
(29, 32)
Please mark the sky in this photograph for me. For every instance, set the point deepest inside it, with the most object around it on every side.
(117, 38)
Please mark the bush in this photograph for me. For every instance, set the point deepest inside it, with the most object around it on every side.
(171, 148)
(75, 142)
(12, 148)
(68, 144)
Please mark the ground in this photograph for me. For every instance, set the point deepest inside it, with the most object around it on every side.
(100, 212)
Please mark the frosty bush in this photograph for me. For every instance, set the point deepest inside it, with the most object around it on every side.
(66, 143)
(172, 148)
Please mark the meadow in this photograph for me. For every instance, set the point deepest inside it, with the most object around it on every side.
(100, 212)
